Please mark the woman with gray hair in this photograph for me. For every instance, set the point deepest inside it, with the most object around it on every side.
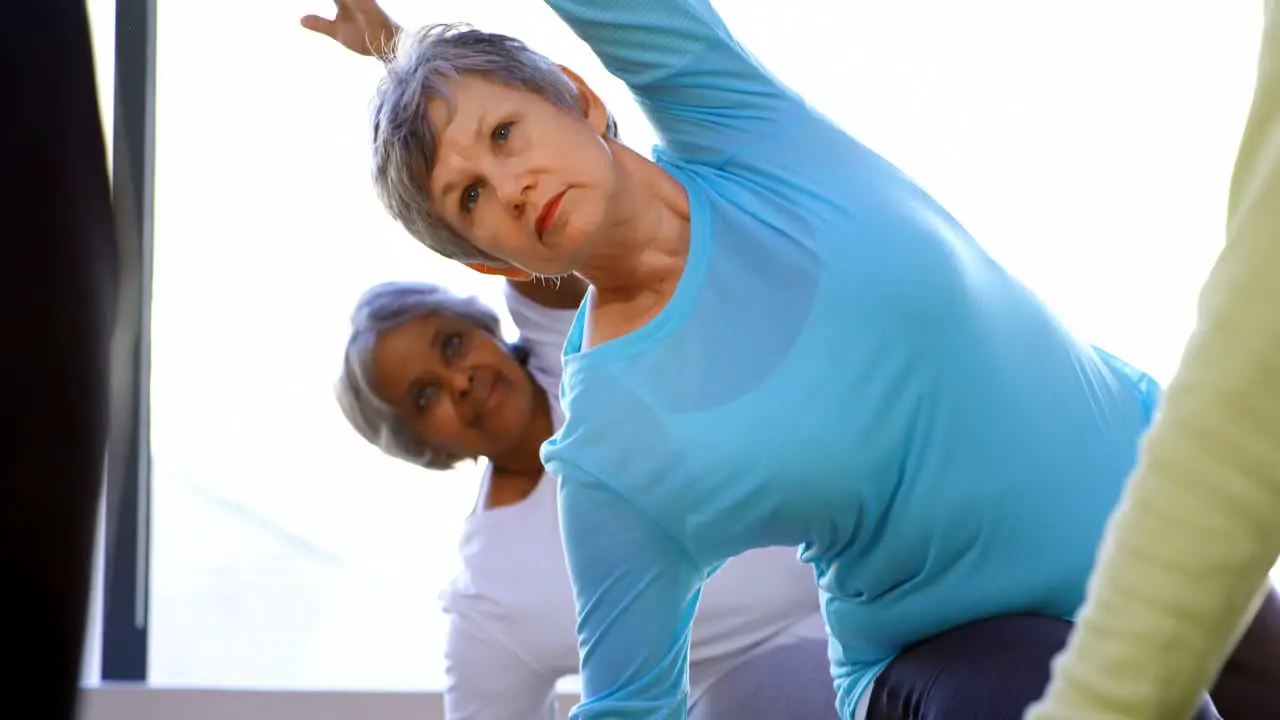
(427, 378)
(786, 342)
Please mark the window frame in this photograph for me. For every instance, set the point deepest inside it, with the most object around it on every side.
(125, 532)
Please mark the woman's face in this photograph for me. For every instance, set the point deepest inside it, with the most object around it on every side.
(523, 179)
(456, 387)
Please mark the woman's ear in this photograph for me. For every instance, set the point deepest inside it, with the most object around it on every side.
(511, 273)
(590, 104)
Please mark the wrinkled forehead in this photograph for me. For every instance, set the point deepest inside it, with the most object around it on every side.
(460, 143)
(459, 117)
(441, 112)
(408, 338)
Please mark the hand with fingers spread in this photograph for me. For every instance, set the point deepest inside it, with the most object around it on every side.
(361, 26)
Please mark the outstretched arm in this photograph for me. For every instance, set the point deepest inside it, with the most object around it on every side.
(636, 590)
(1197, 531)
(705, 95)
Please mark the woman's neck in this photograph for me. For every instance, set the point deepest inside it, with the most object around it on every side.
(516, 473)
(648, 240)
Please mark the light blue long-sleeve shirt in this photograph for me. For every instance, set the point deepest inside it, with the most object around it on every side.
(841, 368)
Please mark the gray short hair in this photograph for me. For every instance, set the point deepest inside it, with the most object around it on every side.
(381, 308)
(404, 143)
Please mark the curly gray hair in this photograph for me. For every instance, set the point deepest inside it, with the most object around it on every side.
(404, 143)
(379, 309)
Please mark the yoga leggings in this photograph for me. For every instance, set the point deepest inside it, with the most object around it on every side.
(57, 295)
(789, 682)
(994, 669)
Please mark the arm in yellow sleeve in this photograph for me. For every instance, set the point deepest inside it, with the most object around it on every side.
(1198, 528)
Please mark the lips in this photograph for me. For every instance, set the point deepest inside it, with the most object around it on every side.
(548, 214)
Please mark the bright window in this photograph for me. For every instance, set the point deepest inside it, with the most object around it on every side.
(1088, 149)
(102, 30)
(102, 27)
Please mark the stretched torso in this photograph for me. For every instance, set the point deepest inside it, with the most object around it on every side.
(841, 368)
(849, 372)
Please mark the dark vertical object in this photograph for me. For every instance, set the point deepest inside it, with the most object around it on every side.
(128, 497)
(57, 298)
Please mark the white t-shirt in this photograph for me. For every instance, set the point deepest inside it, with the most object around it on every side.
(511, 610)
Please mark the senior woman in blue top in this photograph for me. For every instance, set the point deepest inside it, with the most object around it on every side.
(787, 342)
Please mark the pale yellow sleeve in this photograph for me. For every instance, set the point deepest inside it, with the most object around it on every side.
(1198, 528)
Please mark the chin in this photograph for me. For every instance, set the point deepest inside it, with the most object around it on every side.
(548, 263)
(571, 259)
(567, 251)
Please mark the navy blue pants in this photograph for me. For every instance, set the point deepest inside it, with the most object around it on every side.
(995, 669)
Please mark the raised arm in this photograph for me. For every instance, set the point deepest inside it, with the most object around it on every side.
(705, 95)
(636, 591)
(1197, 532)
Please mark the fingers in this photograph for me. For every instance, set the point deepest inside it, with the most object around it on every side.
(324, 26)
